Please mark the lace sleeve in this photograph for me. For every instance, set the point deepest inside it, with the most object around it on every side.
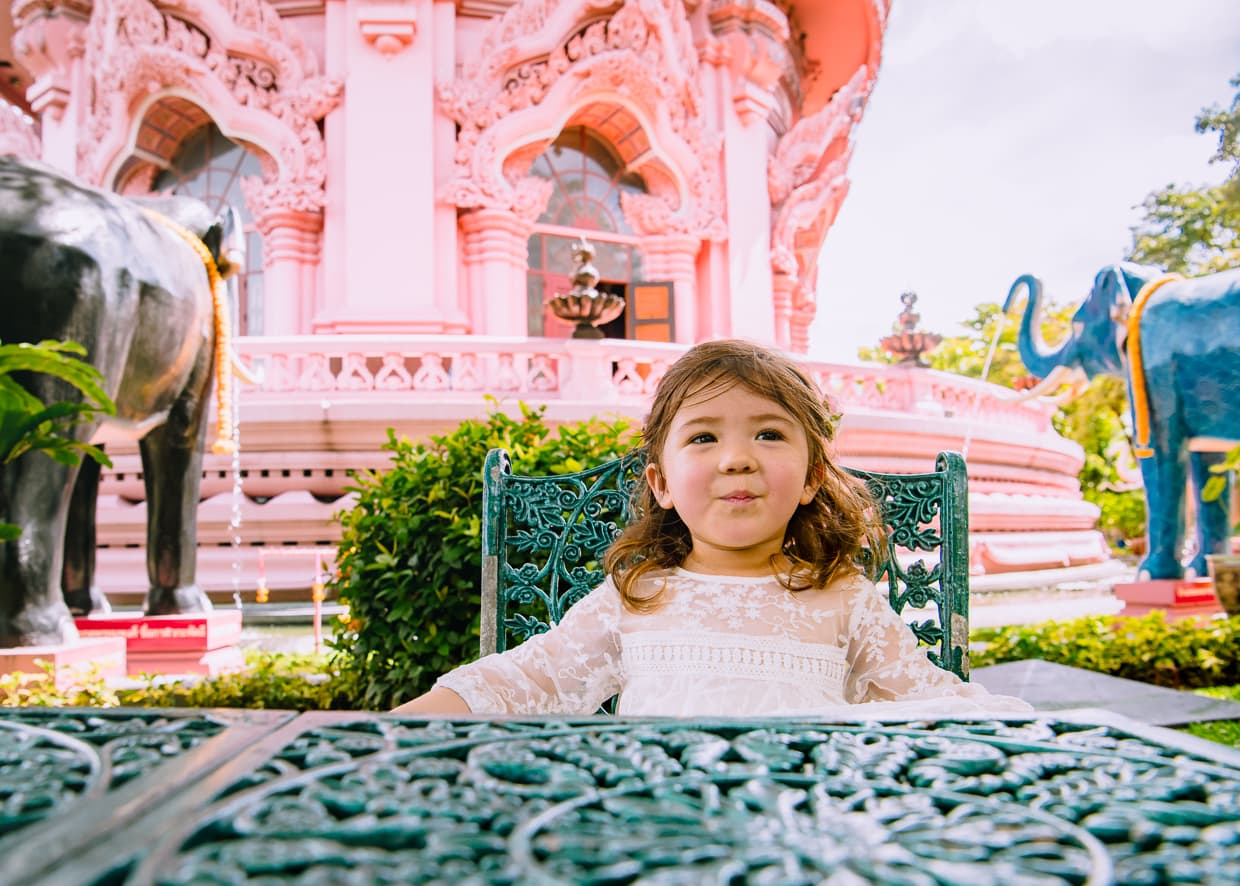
(571, 669)
(885, 663)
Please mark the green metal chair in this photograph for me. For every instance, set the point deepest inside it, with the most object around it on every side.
(543, 540)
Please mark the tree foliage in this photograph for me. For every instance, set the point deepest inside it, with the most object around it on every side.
(1197, 230)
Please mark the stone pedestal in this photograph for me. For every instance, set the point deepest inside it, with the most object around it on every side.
(198, 643)
(1177, 597)
(85, 659)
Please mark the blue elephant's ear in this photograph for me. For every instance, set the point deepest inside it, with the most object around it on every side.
(1100, 323)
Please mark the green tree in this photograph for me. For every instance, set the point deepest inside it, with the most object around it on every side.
(1197, 230)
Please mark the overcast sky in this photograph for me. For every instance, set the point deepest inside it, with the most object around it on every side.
(1010, 136)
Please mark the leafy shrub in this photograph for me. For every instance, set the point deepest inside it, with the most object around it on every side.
(1122, 516)
(19, 689)
(27, 424)
(273, 680)
(1184, 654)
(410, 555)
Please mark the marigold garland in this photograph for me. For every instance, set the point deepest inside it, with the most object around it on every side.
(1140, 396)
(225, 442)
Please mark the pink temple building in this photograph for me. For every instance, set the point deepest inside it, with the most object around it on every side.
(412, 176)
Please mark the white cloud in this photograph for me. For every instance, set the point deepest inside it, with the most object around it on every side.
(1008, 137)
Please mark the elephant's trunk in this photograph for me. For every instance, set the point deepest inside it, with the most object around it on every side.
(1034, 352)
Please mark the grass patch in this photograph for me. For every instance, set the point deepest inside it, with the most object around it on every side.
(1222, 731)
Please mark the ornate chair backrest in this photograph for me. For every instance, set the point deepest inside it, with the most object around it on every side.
(543, 540)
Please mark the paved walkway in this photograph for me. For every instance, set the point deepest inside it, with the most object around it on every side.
(1056, 687)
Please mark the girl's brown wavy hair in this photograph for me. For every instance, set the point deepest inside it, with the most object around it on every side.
(824, 539)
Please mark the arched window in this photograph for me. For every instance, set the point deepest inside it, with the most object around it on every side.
(588, 179)
(209, 166)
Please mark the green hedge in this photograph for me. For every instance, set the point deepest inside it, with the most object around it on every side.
(274, 680)
(410, 557)
(1185, 654)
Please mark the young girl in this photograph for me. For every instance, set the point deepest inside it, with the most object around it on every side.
(735, 590)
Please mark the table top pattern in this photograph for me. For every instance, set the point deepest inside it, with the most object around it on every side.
(369, 798)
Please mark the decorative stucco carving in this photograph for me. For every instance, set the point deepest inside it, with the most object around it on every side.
(389, 28)
(800, 152)
(47, 38)
(755, 34)
(236, 59)
(19, 135)
(807, 181)
(642, 54)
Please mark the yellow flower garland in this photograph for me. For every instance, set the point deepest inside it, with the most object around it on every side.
(224, 444)
(1140, 397)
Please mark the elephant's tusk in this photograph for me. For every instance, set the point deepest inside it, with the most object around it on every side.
(1076, 382)
(1059, 377)
(243, 372)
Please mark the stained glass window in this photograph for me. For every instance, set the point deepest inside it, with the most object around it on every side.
(588, 180)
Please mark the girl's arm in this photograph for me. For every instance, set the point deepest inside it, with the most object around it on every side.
(886, 664)
(571, 669)
(437, 701)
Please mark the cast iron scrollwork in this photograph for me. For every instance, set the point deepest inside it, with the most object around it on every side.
(726, 801)
(561, 526)
(53, 759)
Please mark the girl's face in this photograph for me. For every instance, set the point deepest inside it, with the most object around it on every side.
(734, 465)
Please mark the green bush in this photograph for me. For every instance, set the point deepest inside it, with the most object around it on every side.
(1185, 654)
(410, 555)
(274, 680)
(1122, 514)
(27, 424)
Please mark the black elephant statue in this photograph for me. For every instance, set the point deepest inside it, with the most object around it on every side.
(1176, 341)
(135, 290)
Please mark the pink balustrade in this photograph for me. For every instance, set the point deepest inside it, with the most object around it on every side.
(320, 406)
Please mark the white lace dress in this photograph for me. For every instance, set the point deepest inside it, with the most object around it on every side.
(723, 646)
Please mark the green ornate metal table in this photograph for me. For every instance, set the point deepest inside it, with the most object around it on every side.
(141, 797)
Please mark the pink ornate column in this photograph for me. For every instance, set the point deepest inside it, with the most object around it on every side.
(674, 257)
(291, 247)
(784, 288)
(803, 308)
(50, 41)
(751, 39)
(496, 253)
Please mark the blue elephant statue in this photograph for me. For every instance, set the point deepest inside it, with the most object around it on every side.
(135, 289)
(1177, 343)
